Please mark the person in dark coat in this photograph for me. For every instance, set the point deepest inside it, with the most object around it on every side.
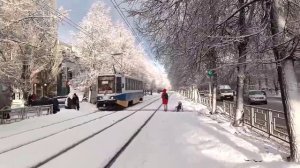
(55, 106)
(75, 101)
(165, 98)
(30, 100)
(69, 103)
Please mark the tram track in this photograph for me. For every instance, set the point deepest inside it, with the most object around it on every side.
(123, 148)
(3, 151)
(69, 138)
(48, 125)
(92, 135)
(63, 121)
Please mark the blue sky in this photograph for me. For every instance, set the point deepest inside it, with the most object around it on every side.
(78, 9)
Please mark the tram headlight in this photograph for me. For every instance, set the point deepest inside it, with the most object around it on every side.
(100, 97)
(112, 97)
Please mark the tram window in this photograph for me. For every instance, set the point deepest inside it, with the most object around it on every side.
(106, 84)
(133, 84)
(128, 83)
(119, 85)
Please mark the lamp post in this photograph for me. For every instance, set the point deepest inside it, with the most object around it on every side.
(45, 91)
(34, 90)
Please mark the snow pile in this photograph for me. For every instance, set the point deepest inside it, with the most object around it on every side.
(188, 106)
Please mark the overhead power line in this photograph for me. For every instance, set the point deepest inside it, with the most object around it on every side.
(78, 27)
(119, 10)
(63, 17)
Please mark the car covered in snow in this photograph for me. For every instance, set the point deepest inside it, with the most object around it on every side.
(256, 97)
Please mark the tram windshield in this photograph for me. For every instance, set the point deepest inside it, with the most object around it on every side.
(106, 84)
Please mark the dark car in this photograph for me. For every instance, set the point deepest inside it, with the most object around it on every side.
(47, 101)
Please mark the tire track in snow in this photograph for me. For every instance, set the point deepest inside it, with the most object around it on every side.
(52, 124)
(123, 148)
(91, 136)
(62, 130)
(44, 126)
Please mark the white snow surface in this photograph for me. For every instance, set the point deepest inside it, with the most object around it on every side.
(193, 140)
(189, 139)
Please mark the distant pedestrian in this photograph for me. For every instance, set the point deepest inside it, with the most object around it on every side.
(55, 105)
(165, 98)
(29, 100)
(75, 101)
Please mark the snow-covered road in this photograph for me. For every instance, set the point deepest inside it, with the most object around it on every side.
(169, 140)
(40, 142)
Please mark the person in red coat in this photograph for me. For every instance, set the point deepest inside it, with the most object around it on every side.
(165, 98)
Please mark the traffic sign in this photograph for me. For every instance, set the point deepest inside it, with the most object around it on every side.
(210, 73)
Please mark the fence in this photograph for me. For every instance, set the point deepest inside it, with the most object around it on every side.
(18, 114)
(268, 121)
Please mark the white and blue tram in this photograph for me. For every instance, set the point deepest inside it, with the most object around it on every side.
(118, 91)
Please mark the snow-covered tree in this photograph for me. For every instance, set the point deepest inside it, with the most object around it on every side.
(28, 35)
(104, 47)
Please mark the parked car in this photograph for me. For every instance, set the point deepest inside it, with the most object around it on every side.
(47, 101)
(256, 97)
(225, 94)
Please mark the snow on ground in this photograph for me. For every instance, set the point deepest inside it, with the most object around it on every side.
(36, 122)
(171, 139)
(96, 152)
(43, 132)
(177, 140)
(55, 138)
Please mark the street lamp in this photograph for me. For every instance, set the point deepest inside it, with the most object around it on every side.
(44, 89)
(35, 88)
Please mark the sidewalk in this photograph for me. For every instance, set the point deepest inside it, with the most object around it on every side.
(194, 140)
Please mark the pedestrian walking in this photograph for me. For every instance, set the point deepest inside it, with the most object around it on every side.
(75, 101)
(165, 98)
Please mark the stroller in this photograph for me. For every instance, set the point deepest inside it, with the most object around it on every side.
(179, 107)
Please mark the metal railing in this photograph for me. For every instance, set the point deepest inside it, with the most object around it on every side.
(18, 114)
(268, 121)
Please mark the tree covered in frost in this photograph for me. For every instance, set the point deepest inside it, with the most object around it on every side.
(244, 41)
(28, 35)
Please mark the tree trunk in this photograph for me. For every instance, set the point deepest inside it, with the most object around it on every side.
(214, 97)
(213, 81)
(292, 99)
(242, 48)
(288, 85)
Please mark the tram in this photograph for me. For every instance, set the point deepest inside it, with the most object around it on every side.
(118, 91)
